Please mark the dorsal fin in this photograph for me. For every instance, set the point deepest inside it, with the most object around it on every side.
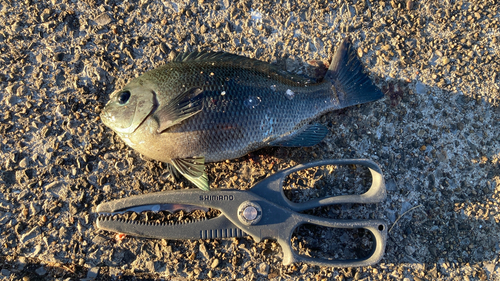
(206, 56)
(243, 62)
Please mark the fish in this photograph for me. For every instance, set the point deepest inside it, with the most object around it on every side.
(212, 106)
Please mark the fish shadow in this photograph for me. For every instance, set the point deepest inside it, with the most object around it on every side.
(428, 141)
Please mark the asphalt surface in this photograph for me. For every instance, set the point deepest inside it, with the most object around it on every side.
(435, 135)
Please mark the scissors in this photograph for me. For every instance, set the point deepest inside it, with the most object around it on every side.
(263, 212)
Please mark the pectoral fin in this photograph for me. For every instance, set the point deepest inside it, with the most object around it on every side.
(194, 170)
(179, 109)
(307, 136)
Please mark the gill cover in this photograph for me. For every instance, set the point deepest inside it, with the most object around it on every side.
(128, 108)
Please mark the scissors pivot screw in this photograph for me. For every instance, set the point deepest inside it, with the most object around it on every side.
(249, 213)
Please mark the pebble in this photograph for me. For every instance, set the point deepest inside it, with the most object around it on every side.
(5, 272)
(203, 29)
(41, 271)
(304, 268)
(32, 233)
(490, 267)
(17, 27)
(45, 15)
(420, 88)
(150, 265)
(103, 19)
(203, 251)
(107, 188)
(263, 269)
(410, 250)
(409, 4)
(360, 52)
(21, 263)
(215, 263)
(93, 272)
(309, 47)
(386, 47)
(24, 163)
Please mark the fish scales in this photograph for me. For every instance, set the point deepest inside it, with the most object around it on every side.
(208, 107)
(241, 112)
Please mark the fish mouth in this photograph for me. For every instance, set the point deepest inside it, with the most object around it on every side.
(105, 117)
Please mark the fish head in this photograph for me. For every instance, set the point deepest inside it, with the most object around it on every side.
(129, 107)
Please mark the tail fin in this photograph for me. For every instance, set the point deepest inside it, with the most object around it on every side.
(351, 84)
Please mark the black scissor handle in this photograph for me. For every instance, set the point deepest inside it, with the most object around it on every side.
(271, 188)
(377, 228)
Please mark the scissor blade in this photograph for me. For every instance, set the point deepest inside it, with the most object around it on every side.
(216, 199)
(219, 227)
(138, 203)
(159, 207)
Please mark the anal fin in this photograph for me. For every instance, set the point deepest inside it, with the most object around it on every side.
(308, 136)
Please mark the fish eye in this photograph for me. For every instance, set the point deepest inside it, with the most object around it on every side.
(124, 97)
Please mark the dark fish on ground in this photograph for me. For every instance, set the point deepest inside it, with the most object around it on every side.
(207, 107)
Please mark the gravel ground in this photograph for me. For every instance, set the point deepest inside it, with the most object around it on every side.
(435, 134)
